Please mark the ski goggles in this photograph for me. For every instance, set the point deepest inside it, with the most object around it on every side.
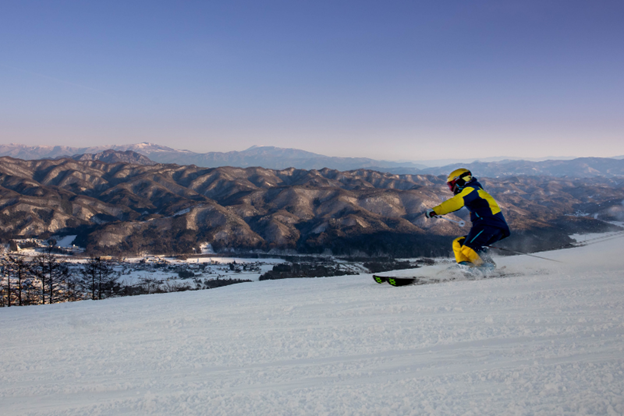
(451, 184)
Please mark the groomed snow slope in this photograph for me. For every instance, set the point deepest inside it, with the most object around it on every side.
(547, 343)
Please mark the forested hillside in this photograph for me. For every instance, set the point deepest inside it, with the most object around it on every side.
(129, 208)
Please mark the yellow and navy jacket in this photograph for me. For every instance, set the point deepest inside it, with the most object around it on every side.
(483, 208)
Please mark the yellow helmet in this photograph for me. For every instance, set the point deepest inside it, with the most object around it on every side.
(458, 179)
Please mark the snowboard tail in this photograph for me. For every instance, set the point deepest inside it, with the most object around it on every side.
(380, 279)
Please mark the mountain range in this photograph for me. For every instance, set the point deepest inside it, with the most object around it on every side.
(270, 157)
(585, 167)
(262, 156)
(129, 208)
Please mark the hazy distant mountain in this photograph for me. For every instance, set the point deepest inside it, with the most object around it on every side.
(269, 157)
(20, 151)
(585, 167)
(446, 162)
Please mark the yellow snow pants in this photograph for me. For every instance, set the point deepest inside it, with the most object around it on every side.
(465, 253)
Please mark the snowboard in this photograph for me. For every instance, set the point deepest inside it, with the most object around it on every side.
(395, 281)
(445, 274)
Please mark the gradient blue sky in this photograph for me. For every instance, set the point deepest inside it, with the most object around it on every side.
(396, 80)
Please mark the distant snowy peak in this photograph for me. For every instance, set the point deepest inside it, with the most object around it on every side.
(145, 148)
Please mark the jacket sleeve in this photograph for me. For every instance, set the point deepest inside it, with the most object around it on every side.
(453, 204)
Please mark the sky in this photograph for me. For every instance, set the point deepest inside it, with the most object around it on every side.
(393, 80)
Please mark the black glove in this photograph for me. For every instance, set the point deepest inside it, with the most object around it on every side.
(430, 213)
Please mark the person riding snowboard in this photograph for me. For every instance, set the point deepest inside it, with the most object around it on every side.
(488, 222)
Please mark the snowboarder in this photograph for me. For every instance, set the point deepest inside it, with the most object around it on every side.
(488, 222)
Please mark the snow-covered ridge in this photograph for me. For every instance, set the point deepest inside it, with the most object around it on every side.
(548, 341)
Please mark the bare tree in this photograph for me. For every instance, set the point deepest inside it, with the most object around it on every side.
(88, 279)
(5, 285)
(150, 284)
(51, 273)
(19, 278)
(97, 278)
(72, 290)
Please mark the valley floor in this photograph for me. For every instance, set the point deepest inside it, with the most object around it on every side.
(549, 341)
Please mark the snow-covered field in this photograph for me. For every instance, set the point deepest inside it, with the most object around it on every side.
(549, 342)
(206, 268)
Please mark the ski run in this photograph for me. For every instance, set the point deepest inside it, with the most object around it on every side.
(546, 340)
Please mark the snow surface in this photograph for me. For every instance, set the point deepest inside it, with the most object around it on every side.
(215, 267)
(549, 342)
(206, 248)
(590, 237)
(66, 241)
